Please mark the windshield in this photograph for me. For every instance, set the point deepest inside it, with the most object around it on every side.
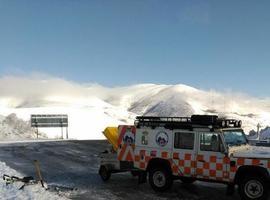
(235, 137)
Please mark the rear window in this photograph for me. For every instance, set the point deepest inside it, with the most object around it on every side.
(184, 140)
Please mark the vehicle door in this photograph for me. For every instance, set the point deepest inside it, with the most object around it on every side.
(211, 161)
(183, 162)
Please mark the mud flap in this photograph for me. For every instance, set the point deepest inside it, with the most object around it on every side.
(142, 178)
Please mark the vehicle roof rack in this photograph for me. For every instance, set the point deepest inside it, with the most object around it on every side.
(195, 121)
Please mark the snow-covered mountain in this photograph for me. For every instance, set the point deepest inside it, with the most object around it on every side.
(265, 134)
(92, 107)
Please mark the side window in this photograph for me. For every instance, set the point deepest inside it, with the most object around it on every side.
(183, 140)
(145, 138)
(210, 142)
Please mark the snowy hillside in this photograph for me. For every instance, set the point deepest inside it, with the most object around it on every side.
(92, 107)
(265, 134)
(13, 128)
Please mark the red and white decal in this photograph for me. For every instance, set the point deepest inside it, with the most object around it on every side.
(126, 143)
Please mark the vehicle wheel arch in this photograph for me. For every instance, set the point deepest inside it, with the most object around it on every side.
(251, 171)
(154, 162)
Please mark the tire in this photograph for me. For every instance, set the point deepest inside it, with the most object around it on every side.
(160, 179)
(104, 173)
(187, 180)
(253, 188)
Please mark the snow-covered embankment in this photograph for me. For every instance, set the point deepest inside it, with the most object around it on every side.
(11, 191)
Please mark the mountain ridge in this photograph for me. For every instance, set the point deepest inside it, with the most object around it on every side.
(92, 107)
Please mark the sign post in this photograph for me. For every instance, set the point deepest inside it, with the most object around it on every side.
(50, 121)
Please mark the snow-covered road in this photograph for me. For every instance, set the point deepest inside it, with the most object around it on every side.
(70, 169)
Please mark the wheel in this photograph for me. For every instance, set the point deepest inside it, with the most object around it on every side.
(160, 179)
(104, 173)
(187, 180)
(253, 188)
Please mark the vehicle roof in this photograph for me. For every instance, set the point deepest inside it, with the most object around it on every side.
(188, 123)
(197, 130)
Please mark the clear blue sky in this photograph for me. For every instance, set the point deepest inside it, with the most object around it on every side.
(207, 44)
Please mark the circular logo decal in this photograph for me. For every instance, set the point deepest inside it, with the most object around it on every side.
(162, 138)
(128, 137)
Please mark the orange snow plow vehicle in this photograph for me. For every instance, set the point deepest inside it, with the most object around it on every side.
(200, 147)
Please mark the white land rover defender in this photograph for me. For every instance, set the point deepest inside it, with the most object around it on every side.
(202, 147)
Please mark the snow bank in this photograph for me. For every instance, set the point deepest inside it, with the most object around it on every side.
(13, 128)
(11, 192)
